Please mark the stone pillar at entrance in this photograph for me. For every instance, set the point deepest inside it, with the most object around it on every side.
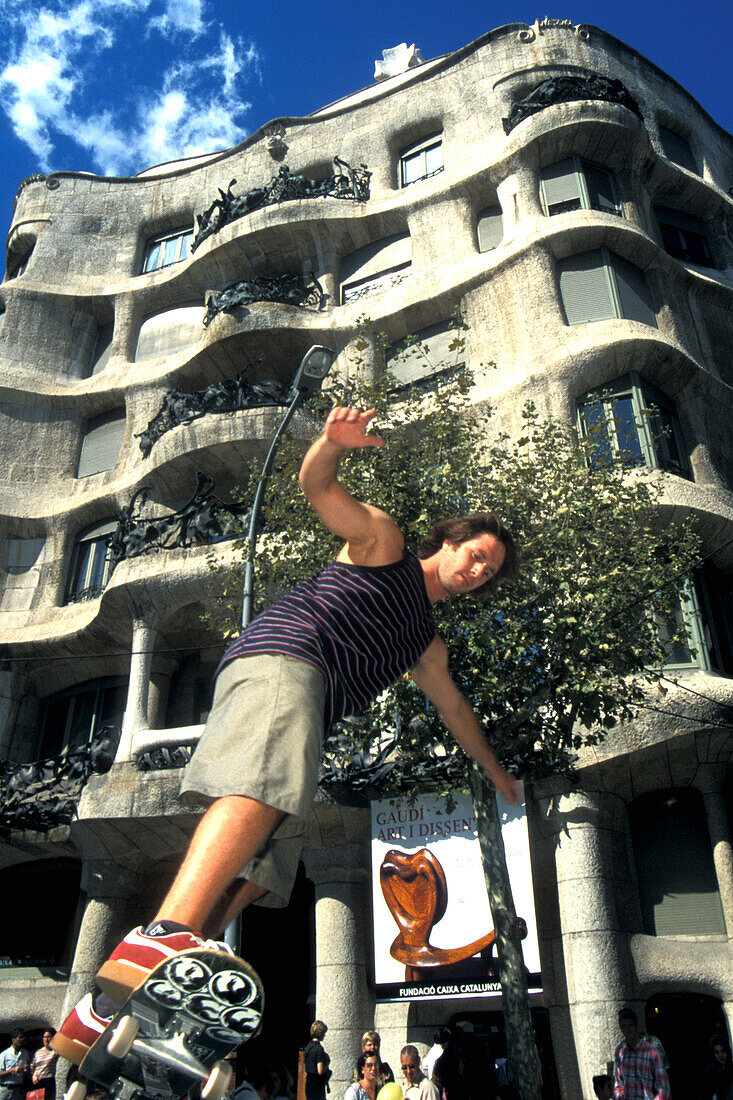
(720, 839)
(587, 845)
(107, 886)
(343, 1000)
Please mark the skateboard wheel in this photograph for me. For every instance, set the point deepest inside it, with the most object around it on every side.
(217, 1082)
(123, 1036)
(77, 1091)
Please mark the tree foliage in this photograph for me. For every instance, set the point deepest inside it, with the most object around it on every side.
(548, 663)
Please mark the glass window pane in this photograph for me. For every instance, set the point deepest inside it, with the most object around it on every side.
(666, 452)
(98, 564)
(413, 168)
(171, 249)
(434, 159)
(82, 717)
(595, 430)
(152, 260)
(627, 432)
(186, 240)
(600, 189)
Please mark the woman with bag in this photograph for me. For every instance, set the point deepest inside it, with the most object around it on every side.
(43, 1070)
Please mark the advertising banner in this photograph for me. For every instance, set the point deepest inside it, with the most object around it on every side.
(433, 932)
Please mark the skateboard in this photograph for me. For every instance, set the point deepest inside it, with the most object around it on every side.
(174, 1030)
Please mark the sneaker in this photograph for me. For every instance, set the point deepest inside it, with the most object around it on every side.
(81, 1028)
(139, 953)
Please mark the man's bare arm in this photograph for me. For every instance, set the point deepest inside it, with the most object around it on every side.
(372, 537)
(432, 676)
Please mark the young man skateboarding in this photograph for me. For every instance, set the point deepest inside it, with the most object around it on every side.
(319, 654)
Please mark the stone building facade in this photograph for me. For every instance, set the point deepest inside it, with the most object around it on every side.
(574, 201)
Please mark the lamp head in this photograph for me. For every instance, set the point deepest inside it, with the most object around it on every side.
(314, 366)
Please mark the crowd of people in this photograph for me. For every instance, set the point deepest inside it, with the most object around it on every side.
(21, 1075)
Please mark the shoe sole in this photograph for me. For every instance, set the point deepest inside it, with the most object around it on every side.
(70, 1049)
(118, 979)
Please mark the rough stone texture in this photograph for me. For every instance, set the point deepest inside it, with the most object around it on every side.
(85, 238)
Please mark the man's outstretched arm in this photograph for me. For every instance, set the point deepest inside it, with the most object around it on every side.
(432, 676)
(372, 537)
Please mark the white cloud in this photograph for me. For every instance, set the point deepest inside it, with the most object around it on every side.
(181, 15)
(62, 54)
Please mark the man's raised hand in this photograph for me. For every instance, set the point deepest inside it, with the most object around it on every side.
(347, 428)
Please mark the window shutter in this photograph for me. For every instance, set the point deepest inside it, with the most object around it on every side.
(677, 149)
(369, 264)
(585, 289)
(169, 331)
(101, 444)
(23, 554)
(430, 354)
(678, 886)
(633, 292)
(560, 186)
(490, 226)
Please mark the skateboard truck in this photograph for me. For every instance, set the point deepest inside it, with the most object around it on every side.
(170, 1052)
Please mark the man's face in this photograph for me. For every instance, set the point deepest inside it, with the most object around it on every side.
(465, 566)
(629, 1030)
(721, 1054)
(370, 1047)
(410, 1067)
(17, 1040)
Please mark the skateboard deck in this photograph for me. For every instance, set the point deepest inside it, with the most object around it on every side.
(189, 1012)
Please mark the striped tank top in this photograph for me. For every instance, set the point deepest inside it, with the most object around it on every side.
(362, 626)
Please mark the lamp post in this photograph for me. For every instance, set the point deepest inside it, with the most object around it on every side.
(314, 366)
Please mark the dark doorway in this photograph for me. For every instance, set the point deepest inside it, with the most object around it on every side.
(487, 1028)
(280, 945)
(684, 1023)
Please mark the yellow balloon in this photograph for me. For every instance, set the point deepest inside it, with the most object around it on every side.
(390, 1091)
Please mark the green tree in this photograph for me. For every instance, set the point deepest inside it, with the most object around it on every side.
(549, 663)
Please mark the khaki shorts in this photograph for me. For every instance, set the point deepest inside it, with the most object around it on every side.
(263, 740)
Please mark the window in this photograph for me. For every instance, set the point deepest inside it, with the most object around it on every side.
(631, 421)
(678, 887)
(169, 331)
(705, 607)
(102, 347)
(683, 236)
(490, 228)
(90, 565)
(598, 285)
(575, 184)
(101, 442)
(376, 268)
(421, 160)
(73, 717)
(429, 352)
(16, 263)
(168, 248)
(677, 149)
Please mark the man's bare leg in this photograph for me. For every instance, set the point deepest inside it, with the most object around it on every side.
(230, 833)
(237, 897)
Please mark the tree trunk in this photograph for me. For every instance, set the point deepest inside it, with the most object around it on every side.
(524, 1066)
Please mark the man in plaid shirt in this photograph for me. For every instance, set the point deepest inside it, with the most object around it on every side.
(638, 1071)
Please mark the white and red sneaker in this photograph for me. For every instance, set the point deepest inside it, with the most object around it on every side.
(80, 1029)
(139, 953)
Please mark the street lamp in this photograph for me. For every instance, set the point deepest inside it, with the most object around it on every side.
(314, 366)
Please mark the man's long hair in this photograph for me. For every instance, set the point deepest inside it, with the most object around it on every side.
(468, 527)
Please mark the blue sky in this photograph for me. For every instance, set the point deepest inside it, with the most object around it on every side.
(114, 86)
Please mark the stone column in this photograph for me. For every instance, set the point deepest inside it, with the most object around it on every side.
(107, 886)
(710, 784)
(343, 1000)
(138, 690)
(594, 949)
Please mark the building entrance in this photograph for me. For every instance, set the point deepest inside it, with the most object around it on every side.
(684, 1023)
(280, 945)
(487, 1029)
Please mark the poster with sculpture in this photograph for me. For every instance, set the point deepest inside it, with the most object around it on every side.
(433, 932)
